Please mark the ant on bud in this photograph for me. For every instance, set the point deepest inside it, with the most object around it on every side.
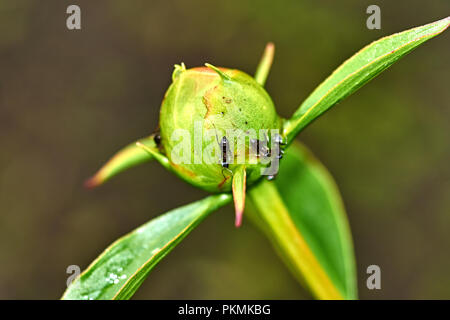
(261, 149)
(225, 152)
(157, 137)
(225, 149)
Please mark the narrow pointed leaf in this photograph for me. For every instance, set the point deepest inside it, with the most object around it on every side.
(358, 70)
(303, 215)
(222, 74)
(239, 181)
(262, 71)
(119, 271)
(124, 159)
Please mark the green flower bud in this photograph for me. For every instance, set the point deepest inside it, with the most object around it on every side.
(200, 109)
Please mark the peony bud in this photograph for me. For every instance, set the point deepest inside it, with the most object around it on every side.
(208, 117)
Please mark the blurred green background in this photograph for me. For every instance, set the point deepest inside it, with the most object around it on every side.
(70, 99)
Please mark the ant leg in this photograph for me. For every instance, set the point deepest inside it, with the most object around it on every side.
(231, 172)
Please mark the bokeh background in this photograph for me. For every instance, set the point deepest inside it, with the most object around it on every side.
(70, 99)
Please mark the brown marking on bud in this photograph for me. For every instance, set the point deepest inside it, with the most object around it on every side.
(207, 103)
(227, 100)
(220, 185)
(210, 108)
(183, 169)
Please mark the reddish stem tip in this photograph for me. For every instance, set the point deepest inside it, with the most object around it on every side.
(238, 219)
(91, 183)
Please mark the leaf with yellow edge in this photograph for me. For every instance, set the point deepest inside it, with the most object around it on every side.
(358, 70)
(302, 214)
(121, 269)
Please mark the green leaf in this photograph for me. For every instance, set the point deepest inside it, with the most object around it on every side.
(119, 271)
(303, 215)
(262, 71)
(128, 157)
(358, 70)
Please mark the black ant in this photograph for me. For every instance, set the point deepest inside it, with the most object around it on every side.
(264, 151)
(225, 150)
(157, 137)
(258, 149)
(280, 142)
